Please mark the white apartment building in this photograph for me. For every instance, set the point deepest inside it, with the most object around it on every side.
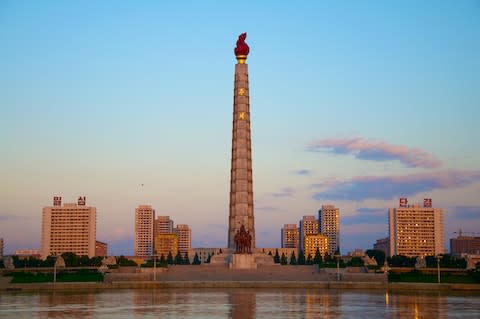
(68, 228)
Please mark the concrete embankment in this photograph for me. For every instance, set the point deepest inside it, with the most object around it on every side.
(372, 286)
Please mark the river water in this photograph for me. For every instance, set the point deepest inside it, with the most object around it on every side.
(237, 304)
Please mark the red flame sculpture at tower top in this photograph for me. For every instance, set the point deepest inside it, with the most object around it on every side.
(242, 48)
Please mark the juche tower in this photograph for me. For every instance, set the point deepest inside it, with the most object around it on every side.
(241, 183)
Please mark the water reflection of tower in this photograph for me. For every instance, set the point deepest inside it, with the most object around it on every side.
(66, 305)
(243, 304)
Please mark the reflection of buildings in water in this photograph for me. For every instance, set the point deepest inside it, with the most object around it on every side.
(177, 302)
(243, 304)
(418, 306)
(152, 301)
(322, 304)
(298, 303)
(292, 301)
(66, 305)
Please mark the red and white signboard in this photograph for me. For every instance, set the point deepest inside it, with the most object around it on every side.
(57, 201)
(403, 202)
(427, 202)
(82, 201)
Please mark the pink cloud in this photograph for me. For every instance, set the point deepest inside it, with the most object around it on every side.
(284, 192)
(389, 187)
(376, 151)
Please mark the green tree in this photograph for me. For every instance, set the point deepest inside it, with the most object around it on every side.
(328, 258)
(379, 255)
(301, 258)
(71, 259)
(276, 258)
(163, 261)
(48, 262)
(401, 261)
(84, 261)
(178, 259)
(17, 262)
(186, 260)
(309, 260)
(317, 260)
(293, 259)
(196, 260)
(355, 262)
(96, 261)
(123, 261)
(270, 253)
(170, 260)
(32, 262)
(283, 260)
(2, 265)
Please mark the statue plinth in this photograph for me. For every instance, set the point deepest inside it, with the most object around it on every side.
(243, 261)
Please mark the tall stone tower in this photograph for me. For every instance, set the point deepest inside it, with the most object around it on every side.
(241, 188)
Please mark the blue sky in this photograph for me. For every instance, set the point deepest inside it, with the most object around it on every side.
(353, 104)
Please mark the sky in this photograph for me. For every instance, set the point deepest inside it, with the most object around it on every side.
(353, 103)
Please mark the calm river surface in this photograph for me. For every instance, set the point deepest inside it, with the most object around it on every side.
(238, 304)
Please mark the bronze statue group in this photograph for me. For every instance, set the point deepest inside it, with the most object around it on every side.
(243, 241)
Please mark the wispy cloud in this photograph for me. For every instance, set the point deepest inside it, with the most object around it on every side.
(284, 192)
(303, 172)
(467, 212)
(10, 217)
(366, 215)
(389, 187)
(266, 208)
(376, 151)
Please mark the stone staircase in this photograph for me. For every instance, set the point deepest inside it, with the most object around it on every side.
(262, 273)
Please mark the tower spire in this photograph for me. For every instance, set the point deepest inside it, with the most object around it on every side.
(241, 183)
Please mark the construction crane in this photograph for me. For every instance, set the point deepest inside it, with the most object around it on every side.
(462, 233)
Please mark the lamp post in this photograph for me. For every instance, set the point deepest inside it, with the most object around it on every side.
(154, 267)
(54, 269)
(438, 268)
(337, 257)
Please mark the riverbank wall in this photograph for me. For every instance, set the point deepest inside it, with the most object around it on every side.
(410, 287)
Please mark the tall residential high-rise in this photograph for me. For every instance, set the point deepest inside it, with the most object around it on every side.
(184, 234)
(144, 220)
(163, 225)
(383, 244)
(307, 226)
(329, 225)
(241, 183)
(313, 242)
(101, 249)
(416, 230)
(465, 245)
(165, 244)
(290, 236)
(68, 228)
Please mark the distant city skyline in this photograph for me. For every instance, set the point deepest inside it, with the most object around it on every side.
(353, 104)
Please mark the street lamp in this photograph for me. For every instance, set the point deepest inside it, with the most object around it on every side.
(337, 257)
(438, 268)
(154, 267)
(54, 269)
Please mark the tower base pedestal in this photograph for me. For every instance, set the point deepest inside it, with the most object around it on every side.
(242, 261)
